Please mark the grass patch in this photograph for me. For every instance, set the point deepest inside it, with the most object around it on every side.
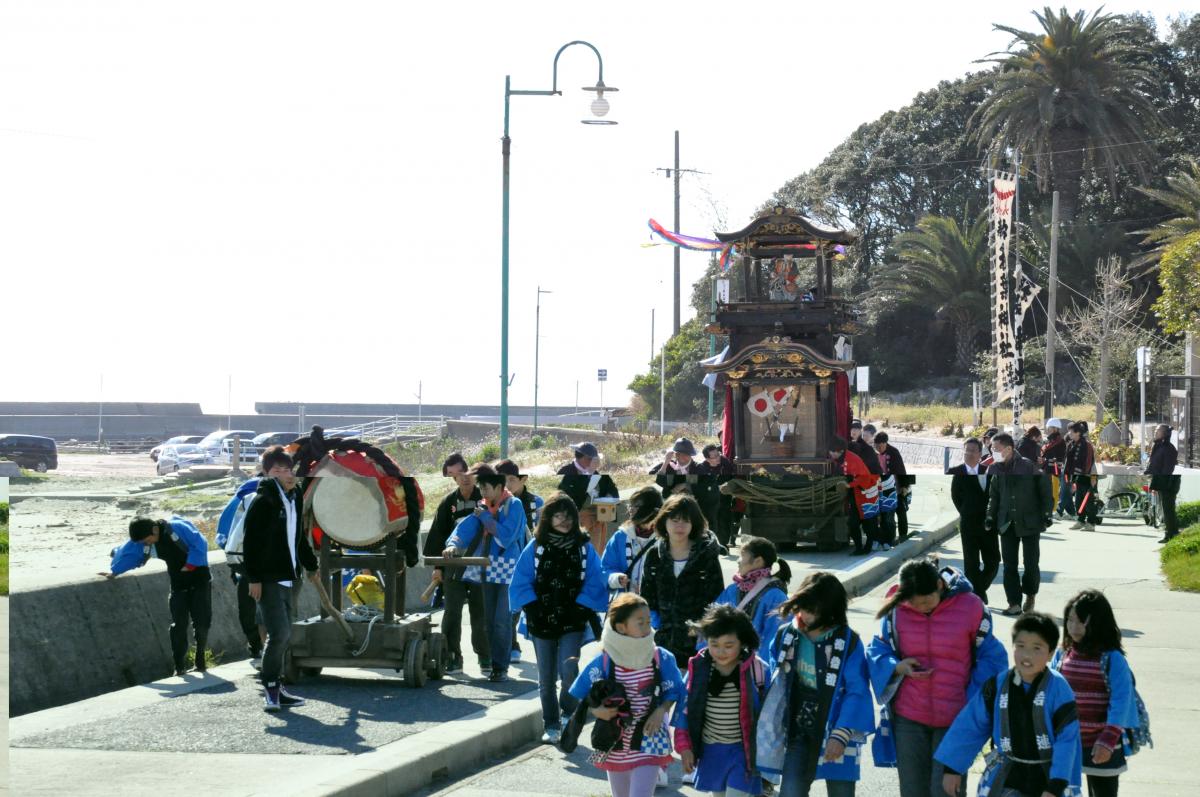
(1181, 560)
(935, 416)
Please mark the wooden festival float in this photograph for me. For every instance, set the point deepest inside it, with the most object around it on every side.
(786, 376)
(358, 507)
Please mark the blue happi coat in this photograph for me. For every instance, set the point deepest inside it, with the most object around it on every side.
(504, 538)
(842, 665)
(593, 594)
(136, 553)
(976, 723)
(766, 618)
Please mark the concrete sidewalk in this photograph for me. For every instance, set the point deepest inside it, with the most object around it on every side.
(361, 732)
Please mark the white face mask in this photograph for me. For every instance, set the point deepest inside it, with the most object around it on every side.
(998, 455)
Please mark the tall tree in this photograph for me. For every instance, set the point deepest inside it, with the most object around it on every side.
(1076, 91)
(1178, 308)
(1182, 196)
(943, 264)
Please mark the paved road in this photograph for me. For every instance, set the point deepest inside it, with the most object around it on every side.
(1161, 635)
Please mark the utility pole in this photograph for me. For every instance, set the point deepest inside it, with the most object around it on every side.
(675, 172)
(420, 403)
(651, 334)
(100, 416)
(1051, 305)
(662, 391)
(537, 341)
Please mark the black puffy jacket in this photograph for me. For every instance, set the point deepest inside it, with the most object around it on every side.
(678, 600)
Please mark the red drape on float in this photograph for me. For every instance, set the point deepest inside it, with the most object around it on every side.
(841, 399)
(727, 447)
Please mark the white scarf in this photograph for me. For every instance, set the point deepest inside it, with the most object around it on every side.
(632, 653)
(289, 508)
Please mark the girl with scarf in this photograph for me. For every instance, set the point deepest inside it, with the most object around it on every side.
(560, 586)
(714, 728)
(818, 711)
(652, 685)
(683, 574)
(755, 589)
(1093, 662)
(934, 650)
(625, 554)
(497, 531)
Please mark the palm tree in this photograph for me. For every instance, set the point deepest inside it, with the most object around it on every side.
(1182, 196)
(944, 265)
(1076, 88)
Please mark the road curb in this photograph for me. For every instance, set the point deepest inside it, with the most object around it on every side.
(415, 763)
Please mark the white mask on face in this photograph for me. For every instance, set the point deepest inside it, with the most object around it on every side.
(998, 455)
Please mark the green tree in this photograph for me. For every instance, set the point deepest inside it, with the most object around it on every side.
(1076, 91)
(1178, 308)
(1182, 196)
(943, 264)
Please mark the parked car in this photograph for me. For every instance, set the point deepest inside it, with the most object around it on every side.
(248, 454)
(267, 439)
(212, 442)
(174, 441)
(180, 457)
(30, 451)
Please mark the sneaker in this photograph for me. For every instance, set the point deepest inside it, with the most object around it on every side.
(663, 779)
(1076, 526)
(1088, 527)
(883, 546)
(271, 698)
(485, 665)
(689, 778)
(288, 700)
(551, 735)
(1166, 538)
(181, 671)
(1012, 611)
(515, 655)
(1029, 602)
(498, 677)
(454, 663)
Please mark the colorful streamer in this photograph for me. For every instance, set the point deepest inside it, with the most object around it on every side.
(713, 245)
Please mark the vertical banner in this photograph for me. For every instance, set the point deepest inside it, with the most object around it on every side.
(1004, 188)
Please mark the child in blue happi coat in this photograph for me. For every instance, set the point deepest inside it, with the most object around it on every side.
(625, 553)
(755, 589)
(559, 585)
(1092, 660)
(818, 711)
(501, 522)
(1030, 715)
(727, 682)
(643, 683)
(515, 482)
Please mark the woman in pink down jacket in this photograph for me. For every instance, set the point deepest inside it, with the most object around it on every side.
(934, 650)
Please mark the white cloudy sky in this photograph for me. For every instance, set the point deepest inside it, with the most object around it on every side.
(270, 191)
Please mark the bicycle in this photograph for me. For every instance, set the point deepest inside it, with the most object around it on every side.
(1142, 504)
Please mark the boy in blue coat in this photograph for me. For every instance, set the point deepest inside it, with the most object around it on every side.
(496, 531)
(185, 552)
(1029, 713)
(625, 554)
(232, 516)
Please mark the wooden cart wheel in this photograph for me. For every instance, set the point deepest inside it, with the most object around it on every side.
(291, 673)
(437, 657)
(414, 663)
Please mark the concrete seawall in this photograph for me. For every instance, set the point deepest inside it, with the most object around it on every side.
(74, 641)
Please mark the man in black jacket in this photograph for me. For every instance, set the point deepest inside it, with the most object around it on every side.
(456, 592)
(1019, 499)
(892, 465)
(969, 491)
(1161, 470)
(718, 468)
(276, 553)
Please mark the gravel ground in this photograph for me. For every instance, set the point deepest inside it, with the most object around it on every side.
(346, 713)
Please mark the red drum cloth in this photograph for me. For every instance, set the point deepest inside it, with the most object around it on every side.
(354, 501)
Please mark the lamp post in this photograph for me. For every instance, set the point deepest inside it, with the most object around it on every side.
(537, 341)
(599, 109)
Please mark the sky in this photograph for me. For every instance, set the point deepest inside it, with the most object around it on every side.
(230, 202)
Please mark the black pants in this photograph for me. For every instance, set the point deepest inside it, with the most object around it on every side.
(981, 554)
(276, 610)
(902, 518)
(725, 520)
(458, 594)
(246, 613)
(1016, 583)
(1166, 499)
(192, 603)
(1102, 786)
(1085, 490)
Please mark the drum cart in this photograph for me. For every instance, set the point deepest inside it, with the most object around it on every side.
(393, 639)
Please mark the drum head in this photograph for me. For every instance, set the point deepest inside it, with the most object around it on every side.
(349, 508)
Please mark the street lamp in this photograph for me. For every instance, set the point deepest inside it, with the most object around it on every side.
(599, 109)
(537, 341)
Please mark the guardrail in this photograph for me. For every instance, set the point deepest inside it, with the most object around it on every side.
(391, 427)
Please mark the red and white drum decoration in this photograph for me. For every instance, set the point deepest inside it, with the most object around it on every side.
(355, 502)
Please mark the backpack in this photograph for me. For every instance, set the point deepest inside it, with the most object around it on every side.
(237, 531)
(1138, 737)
